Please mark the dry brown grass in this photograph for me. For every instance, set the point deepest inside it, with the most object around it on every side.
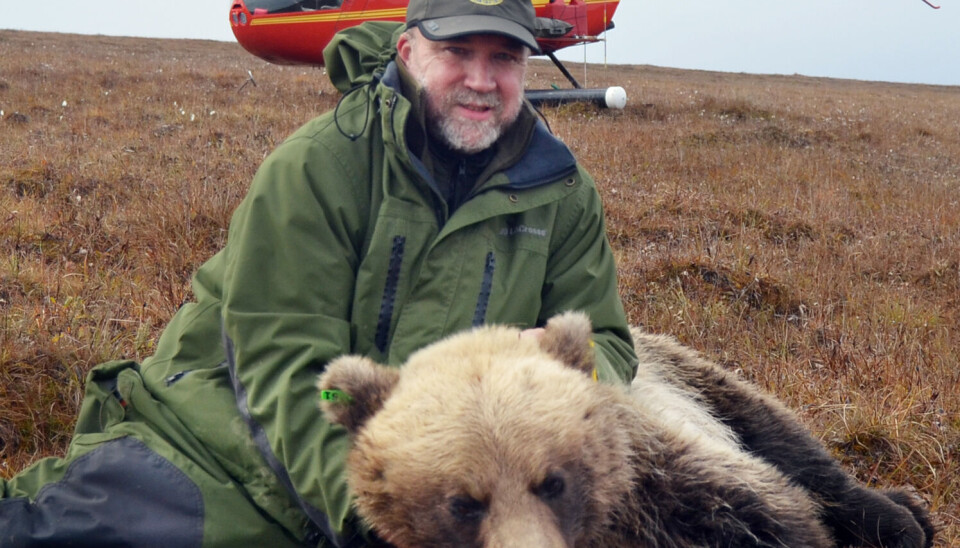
(805, 232)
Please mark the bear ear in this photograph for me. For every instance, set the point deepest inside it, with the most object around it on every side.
(567, 337)
(353, 389)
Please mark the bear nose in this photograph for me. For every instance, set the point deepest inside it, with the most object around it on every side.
(532, 525)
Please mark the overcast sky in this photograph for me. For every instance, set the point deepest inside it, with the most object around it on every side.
(887, 40)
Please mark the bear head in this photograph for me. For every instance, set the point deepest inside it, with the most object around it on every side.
(484, 439)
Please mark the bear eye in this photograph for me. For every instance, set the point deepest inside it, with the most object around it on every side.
(466, 509)
(551, 488)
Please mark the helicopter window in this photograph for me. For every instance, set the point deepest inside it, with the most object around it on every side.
(309, 5)
(273, 6)
(286, 6)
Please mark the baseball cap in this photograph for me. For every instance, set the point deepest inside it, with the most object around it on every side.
(446, 19)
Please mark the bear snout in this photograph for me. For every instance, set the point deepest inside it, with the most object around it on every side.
(534, 527)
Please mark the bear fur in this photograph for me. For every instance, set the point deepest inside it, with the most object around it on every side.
(489, 439)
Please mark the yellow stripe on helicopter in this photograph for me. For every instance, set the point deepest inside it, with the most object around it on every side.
(331, 15)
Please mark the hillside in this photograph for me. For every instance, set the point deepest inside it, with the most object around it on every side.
(804, 232)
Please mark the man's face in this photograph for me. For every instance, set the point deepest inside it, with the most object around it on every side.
(473, 85)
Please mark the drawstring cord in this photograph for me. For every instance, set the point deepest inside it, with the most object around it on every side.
(542, 117)
(366, 115)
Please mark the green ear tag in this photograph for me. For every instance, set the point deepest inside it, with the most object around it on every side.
(336, 395)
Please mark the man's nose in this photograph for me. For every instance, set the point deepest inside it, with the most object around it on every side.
(480, 75)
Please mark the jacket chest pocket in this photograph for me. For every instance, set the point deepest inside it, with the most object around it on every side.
(384, 279)
(413, 290)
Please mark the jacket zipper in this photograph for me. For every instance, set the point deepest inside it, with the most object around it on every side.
(486, 287)
(389, 294)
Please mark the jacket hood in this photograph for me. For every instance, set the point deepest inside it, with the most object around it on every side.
(357, 55)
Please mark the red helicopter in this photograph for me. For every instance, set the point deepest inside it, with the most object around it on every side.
(294, 32)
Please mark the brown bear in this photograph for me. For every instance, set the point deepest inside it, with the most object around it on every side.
(488, 439)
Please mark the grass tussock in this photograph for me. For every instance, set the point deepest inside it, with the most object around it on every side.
(802, 231)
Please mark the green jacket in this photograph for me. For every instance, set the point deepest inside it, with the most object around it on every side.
(342, 246)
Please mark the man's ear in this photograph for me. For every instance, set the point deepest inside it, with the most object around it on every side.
(353, 389)
(404, 45)
(567, 337)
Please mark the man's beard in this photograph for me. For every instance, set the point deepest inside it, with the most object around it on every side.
(464, 135)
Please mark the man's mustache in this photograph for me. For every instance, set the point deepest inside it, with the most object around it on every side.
(470, 97)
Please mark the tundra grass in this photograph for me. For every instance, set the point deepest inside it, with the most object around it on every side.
(803, 232)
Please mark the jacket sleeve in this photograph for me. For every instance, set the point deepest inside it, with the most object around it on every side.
(292, 255)
(581, 275)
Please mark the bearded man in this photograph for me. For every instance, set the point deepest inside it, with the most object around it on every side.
(432, 199)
